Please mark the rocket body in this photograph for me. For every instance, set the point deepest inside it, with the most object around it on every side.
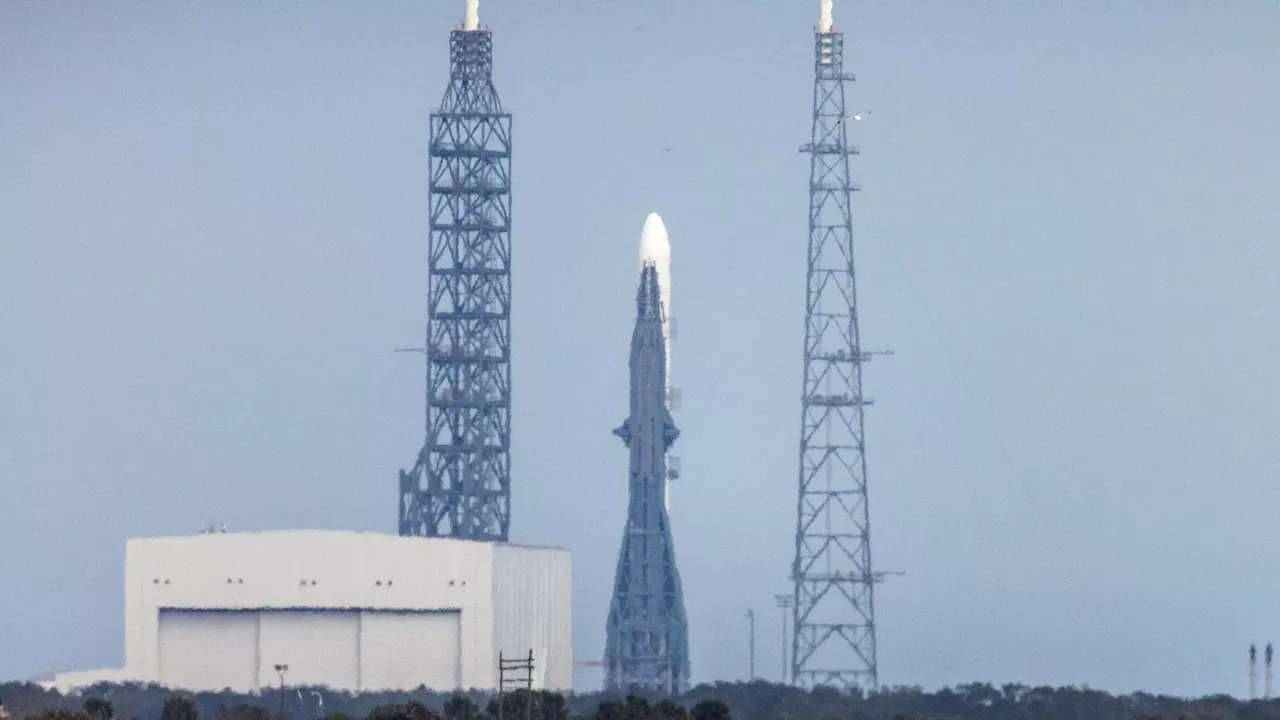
(655, 250)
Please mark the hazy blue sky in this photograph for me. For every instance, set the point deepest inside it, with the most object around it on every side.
(213, 234)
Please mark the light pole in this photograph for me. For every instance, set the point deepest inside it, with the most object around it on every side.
(281, 670)
(751, 644)
(784, 604)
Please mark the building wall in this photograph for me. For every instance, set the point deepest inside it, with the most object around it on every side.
(349, 610)
(364, 650)
(68, 681)
(532, 590)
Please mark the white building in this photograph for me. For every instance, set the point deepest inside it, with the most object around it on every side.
(353, 611)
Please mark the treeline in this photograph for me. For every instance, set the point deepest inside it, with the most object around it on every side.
(723, 701)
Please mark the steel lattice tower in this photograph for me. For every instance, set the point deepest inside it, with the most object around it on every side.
(460, 485)
(647, 640)
(834, 638)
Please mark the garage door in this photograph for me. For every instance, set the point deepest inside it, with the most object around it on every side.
(320, 647)
(403, 650)
(209, 650)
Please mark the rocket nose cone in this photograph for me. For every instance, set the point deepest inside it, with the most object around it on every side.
(655, 246)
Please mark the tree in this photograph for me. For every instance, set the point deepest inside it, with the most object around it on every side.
(412, 710)
(99, 709)
(550, 706)
(609, 710)
(179, 707)
(540, 704)
(711, 710)
(245, 711)
(636, 707)
(60, 714)
(461, 707)
(669, 710)
(514, 705)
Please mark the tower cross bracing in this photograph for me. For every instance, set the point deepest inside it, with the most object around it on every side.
(460, 484)
(834, 638)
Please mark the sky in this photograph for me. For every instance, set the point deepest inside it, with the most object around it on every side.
(213, 231)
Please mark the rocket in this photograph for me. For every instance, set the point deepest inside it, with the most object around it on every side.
(647, 644)
(655, 250)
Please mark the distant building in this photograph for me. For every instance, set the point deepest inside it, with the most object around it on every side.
(353, 611)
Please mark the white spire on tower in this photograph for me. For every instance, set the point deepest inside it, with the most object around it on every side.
(472, 22)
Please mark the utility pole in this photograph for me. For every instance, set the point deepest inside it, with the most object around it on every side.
(784, 604)
(516, 673)
(281, 670)
(751, 644)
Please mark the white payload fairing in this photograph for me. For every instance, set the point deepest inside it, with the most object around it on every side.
(655, 247)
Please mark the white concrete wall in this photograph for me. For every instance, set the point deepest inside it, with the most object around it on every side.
(461, 601)
(532, 597)
(68, 681)
(309, 568)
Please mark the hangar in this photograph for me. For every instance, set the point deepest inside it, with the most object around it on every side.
(347, 610)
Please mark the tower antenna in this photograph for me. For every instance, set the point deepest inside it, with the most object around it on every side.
(1253, 671)
(785, 603)
(1266, 693)
(460, 484)
(833, 638)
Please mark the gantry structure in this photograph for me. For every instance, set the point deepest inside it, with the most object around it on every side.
(460, 484)
(647, 633)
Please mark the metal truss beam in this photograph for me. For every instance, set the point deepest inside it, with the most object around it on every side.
(460, 484)
(834, 642)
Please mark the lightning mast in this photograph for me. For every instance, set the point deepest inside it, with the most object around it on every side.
(460, 484)
(834, 636)
(1266, 693)
(1253, 671)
